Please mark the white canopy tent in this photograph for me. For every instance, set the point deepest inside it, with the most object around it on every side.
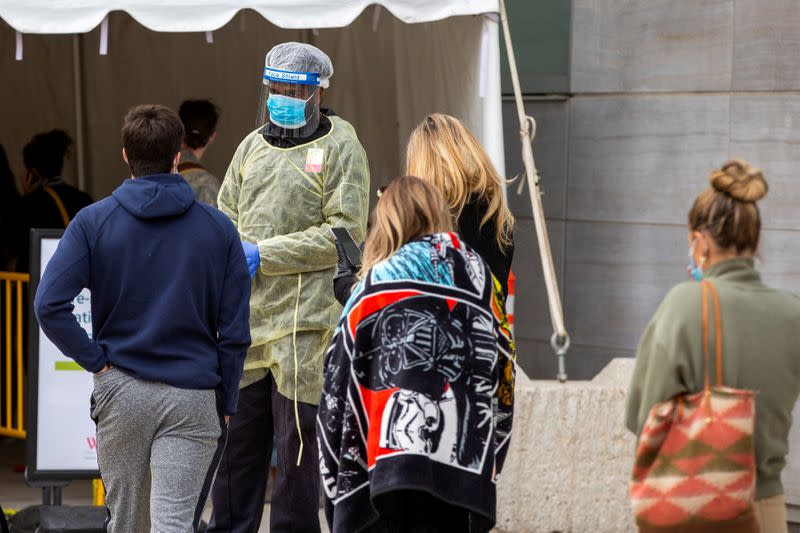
(395, 61)
(71, 16)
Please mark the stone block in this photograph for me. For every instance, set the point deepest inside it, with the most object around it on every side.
(570, 459)
(616, 275)
(651, 45)
(779, 259)
(637, 158)
(766, 45)
(764, 130)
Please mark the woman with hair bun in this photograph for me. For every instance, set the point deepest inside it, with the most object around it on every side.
(760, 331)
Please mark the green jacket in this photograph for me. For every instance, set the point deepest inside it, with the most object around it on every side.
(204, 184)
(761, 341)
(286, 200)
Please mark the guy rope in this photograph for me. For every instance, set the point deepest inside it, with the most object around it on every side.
(560, 339)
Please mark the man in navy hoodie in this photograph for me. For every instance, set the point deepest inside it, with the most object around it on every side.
(170, 307)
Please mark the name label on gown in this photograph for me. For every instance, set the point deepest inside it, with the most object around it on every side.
(314, 160)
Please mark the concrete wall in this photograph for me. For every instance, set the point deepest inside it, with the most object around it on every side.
(660, 92)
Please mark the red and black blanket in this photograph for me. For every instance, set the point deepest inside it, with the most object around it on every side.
(419, 386)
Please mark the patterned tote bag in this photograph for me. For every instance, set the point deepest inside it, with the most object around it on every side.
(695, 469)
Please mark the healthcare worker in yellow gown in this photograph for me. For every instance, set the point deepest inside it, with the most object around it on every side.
(302, 172)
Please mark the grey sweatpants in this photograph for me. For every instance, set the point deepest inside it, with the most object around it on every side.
(158, 447)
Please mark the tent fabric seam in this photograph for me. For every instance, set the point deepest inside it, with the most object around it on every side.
(42, 17)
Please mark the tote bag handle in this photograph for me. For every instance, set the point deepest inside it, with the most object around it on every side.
(709, 289)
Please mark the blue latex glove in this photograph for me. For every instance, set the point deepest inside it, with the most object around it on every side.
(252, 256)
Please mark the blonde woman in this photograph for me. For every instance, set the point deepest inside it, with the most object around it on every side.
(444, 152)
(416, 410)
(760, 331)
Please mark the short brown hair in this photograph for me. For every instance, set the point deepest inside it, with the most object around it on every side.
(151, 136)
(728, 210)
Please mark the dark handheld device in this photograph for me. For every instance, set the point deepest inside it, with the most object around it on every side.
(351, 249)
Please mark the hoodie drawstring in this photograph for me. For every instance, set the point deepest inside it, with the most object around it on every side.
(294, 346)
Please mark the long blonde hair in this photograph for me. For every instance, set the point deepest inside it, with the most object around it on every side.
(443, 151)
(408, 208)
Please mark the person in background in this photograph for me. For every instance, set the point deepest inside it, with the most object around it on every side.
(47, 201)
(416, 410)
(9, 214)
(761, 337)
(443, 151)
(169, 286)
(298, 175)
(9, 218)
(199, 119)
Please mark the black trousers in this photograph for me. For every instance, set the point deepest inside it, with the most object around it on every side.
(241, 483)
(411, 511)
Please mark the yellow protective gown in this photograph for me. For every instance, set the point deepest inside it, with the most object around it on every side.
(281, 199)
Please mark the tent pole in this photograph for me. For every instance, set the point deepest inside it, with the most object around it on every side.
(77, 72)
(560, 339)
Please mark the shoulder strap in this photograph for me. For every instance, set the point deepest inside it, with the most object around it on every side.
(183, 166)
(710, 289)
(59, 204)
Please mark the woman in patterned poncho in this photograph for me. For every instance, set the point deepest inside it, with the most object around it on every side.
(416, 409)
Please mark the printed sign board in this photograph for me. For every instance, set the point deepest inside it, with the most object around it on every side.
(61, 436)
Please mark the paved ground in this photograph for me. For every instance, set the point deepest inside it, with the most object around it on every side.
(16, 494)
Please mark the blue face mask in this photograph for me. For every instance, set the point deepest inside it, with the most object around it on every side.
(695, 271)
(287, 112)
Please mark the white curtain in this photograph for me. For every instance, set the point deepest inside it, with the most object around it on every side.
(385, 81)
(35, 94)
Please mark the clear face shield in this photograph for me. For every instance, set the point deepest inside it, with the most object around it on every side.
(288, 105)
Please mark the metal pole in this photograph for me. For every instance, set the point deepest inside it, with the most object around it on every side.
(560, 340)
(77, 73)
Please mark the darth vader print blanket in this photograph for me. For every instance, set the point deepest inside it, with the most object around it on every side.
(419, 386)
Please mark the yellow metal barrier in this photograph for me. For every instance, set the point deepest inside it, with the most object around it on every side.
(12, 366)
(98, 492)
(12, 314)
